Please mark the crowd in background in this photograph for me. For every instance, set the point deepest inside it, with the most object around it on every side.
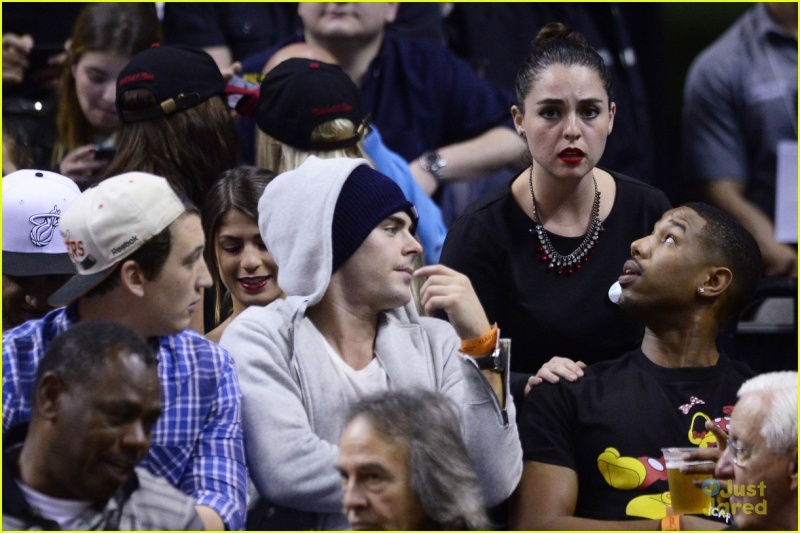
(308, 246)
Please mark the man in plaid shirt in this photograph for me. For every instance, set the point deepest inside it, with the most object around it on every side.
(138, 251)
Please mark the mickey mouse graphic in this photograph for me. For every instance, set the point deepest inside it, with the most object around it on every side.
(639, 473)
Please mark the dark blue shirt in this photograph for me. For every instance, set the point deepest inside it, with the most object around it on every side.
(420, 96)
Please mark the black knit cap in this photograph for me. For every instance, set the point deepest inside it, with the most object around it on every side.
(300, 94)
(179, 78)
(366, 198)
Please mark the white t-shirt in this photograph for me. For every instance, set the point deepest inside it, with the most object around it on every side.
(357, 384)
(64, 512)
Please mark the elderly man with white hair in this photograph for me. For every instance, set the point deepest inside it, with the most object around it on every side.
(761, 454)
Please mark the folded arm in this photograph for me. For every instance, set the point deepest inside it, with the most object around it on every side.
(494, 150)
(546, 499)
(290, 465)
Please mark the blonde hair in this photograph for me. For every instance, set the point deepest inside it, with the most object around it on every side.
(279, 157)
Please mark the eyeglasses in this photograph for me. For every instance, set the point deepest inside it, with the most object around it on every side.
(740, 459)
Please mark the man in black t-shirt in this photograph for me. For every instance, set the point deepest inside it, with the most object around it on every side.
(591, 448)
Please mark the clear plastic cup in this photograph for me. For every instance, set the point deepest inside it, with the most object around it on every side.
(685, 497)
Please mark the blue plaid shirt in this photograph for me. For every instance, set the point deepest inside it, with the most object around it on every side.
(197, 444)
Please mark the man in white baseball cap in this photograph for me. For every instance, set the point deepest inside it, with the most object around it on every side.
(109, 224)
(138, 252)
(35, 260)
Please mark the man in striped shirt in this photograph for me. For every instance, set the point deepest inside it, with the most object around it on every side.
(138, 251)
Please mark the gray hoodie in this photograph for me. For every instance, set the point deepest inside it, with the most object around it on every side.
(293, 413)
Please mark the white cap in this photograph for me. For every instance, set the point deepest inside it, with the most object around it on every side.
(33, 202)
(109, 222)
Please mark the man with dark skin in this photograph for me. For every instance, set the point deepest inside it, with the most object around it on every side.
(697, 269)
(77, 466)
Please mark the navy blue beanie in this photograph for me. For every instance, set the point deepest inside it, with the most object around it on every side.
(366, 198)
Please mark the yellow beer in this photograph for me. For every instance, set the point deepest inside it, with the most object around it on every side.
(686, 498)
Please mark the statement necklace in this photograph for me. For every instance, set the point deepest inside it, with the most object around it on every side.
(572, 262)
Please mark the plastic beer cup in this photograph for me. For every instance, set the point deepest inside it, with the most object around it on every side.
(686, 498)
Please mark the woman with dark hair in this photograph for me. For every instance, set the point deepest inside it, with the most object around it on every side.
(543, 250)
(176, 123)
(243, 270)
(105, 38)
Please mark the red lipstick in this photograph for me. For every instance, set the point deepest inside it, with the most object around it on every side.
(571, 156)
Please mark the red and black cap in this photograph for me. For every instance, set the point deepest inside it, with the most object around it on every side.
(179, 78)
(300, 94)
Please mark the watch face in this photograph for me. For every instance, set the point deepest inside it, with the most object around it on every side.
(433, 161)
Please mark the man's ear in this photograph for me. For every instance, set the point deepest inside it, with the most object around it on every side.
(718, 279)
(132, 277)
(792, 470)
(48, 395)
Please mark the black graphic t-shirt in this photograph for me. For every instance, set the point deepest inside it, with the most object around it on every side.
(610, 426)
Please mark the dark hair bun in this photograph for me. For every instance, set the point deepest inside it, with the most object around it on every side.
(556, 32)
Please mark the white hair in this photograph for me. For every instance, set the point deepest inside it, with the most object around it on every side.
(779, 390)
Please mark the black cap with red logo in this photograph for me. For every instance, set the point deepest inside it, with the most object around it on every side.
(300, 94)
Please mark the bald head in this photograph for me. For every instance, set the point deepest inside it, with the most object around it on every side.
(303, 50)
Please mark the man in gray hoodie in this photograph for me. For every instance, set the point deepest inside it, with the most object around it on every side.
(342, 236)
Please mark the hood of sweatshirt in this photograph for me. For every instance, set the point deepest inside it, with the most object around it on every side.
(295, 218)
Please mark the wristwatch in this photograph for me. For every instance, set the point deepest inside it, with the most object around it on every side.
(432, 162)
(497, 361)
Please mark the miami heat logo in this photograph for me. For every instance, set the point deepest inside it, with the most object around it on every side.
(44, 226)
